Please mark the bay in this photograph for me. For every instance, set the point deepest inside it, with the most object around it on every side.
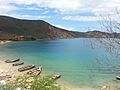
(75, 59)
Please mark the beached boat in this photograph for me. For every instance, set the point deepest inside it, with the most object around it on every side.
(35, 71)
(18, 63)
(56, 76)
(118, 77)
(11, 61)
(26, 68)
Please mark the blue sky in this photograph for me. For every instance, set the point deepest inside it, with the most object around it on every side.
(75, 15)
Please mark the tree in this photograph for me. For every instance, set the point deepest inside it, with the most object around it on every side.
(111, 25)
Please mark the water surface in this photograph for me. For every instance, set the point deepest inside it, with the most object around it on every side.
(73, 58)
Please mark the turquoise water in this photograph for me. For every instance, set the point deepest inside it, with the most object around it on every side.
(73, 58)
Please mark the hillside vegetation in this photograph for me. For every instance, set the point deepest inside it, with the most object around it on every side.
(18, 29)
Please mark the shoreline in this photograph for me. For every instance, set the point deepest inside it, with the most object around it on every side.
(8, 69)
(67, 86)
(4, 41)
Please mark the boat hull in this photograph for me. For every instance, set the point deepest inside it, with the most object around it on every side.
(56, 76)
(26, 68)
(35, 72)
(12, 61)
(118, 77)
(17, 64)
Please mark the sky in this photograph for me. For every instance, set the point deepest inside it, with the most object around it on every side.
(74, 15)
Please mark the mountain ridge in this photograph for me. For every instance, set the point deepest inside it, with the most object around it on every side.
(20, 29)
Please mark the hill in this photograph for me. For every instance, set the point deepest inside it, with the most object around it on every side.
(19, 29)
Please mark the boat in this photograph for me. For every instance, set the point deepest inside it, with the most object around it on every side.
(26, 68)
(35, 72)
(11, 61)
(56, 76)
(17, 63)
(118, 77)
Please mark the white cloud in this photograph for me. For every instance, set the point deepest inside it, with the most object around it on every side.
(97, 7)
(30, 8)
(4, 8)
(82, 18)
(29, 16)
(64, 5)
(46, 12)
(64, 27)
(8, 9)
(26, 16)
(74, 6)
(93, 18)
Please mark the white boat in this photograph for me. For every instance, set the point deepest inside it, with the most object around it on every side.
(118, 77)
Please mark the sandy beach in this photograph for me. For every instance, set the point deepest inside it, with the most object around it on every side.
(69, 87)
(9, 73)
(4, 41)
(6, 69)
(108, 85)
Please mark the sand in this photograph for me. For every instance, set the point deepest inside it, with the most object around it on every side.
(8, 72)
(77, 88)
(4, 42)
(8, 69)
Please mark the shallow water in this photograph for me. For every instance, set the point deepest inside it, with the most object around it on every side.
(73, 58)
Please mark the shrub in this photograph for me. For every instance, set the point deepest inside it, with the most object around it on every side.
(32, 83)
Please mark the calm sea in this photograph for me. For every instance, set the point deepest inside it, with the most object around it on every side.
(79, 63)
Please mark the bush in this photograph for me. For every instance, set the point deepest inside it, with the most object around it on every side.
(32, 83)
